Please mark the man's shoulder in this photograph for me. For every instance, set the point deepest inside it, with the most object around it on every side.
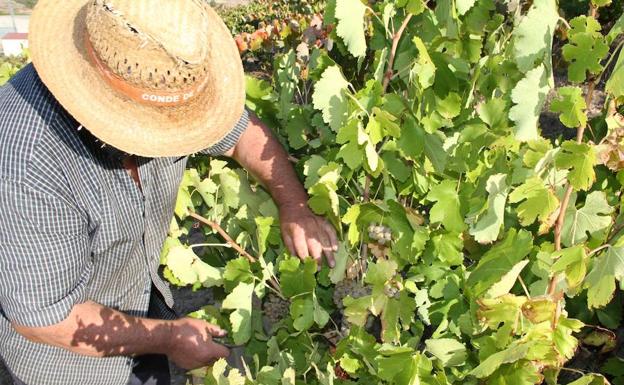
(29, 125)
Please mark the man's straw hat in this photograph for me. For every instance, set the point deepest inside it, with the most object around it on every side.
(149, 77)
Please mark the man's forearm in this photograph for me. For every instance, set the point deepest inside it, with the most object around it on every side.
(263, 156)
(94, 330)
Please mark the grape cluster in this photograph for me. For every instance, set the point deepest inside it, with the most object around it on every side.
(379, 233)
(275, 308)
(349, 287)
(392, 291)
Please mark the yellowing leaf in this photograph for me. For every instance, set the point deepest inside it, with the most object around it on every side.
(538, 201)
(574, 262)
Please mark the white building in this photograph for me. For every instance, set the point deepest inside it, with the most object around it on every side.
(13, 43)
(21, 23)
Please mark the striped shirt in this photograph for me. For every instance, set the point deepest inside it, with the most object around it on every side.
(74, 226)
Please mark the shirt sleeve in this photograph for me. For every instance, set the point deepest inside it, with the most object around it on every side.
(45, 259)
(230, 140)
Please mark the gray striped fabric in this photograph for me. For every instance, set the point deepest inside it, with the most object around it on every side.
(73, 227)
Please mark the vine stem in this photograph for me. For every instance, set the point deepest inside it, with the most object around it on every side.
(395, 45)
(386, 82)
(215, 226)
(552, 286)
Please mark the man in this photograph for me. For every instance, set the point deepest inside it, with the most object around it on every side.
(82, 224)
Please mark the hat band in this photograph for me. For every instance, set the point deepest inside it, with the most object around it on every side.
(138, 94)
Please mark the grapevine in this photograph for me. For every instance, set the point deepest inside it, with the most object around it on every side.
(478, 247)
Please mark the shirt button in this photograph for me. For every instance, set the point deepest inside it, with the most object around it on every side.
(128, 361)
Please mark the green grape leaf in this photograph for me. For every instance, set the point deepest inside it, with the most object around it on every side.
(415, 7)
(329, 97)
(263, 229)
(580, 159)
(616, 30)
(600, 281)
(448, 248)
(571, 106)
(447, 209)
(189, 269)
(494, 113)
(494, 361)
(572, 261)
(564, 340)
(424, 67)
(586, 48)
(297, 278)
(341, 257)
(356, 309)
(216, 375)
(238, 270)
(591, 379)
(533, 36)
(302, 312)
(594, 217)
(501, 310)
(352, 155)
(405, 368)
(381, 272)
(507, 282)
(615, 84)
(396, 166)
(538, 202)
(350, 15)
(519, 373)
(463, 6)
(411, 142)
(499, 260)
(601, 3)
(390, 326)
(449, 351)
(489, 225)
(324, 200)
(240, 300)
(529, 97)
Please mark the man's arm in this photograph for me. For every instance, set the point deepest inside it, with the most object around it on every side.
(304, 233)
(94, 330)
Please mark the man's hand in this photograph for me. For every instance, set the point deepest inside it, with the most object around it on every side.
(304, 233)
(308, 235)
(192, 346)
(97, 331)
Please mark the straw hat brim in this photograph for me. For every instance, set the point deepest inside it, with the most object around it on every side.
(57, 45)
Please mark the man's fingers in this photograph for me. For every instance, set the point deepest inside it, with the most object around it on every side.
(331, 232)
(215, 331)
(301, 244)
(288, 241)
(220, 351)
(325, 242)
(316, 250)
